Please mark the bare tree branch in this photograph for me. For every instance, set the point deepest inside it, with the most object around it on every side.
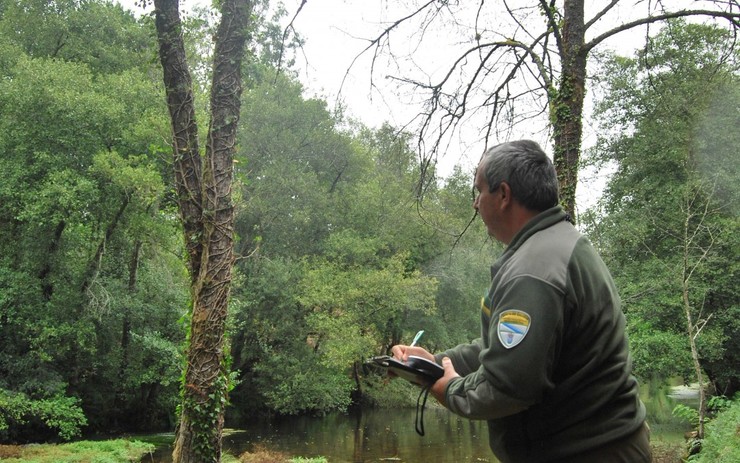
(549, 11)
(733, 17)
(601, 13)
(286, 31)
(376, 43)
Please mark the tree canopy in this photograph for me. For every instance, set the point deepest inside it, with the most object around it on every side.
(670, 210)
(330, 244)
(89, 269)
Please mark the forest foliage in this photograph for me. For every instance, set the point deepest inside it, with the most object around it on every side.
(337, 257)
(668, 222)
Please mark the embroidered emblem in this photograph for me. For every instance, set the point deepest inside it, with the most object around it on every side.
(513, 325)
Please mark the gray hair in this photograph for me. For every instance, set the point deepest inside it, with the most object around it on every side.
(528, 171)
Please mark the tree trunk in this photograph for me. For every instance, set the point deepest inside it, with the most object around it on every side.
(133, 272)
(692, 327)
(47, 287)
(695, 360)
(566, 111)
(93, 267)
(204, 193)
(187, 162)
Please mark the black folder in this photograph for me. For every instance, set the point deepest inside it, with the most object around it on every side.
(417, 370)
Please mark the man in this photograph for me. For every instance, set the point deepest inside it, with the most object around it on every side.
(551, 371)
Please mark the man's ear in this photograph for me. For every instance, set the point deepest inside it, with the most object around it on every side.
(506, 197)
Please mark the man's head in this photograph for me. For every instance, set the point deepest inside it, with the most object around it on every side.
(515, 181)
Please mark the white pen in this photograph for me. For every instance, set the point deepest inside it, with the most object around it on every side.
(416, 338)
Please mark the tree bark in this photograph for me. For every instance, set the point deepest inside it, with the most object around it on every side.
(567, 107)
(204, 192)
(180, 102)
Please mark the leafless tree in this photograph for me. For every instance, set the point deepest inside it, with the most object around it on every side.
(517, 60)
(697, 241)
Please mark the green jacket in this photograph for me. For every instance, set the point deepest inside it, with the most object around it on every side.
(551, 372)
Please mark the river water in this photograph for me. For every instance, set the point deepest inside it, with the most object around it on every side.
(389, 435)
(369, 436)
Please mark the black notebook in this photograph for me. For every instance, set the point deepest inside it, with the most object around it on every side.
(417, 370)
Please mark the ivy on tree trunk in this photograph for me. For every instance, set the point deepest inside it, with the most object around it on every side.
(204, 194)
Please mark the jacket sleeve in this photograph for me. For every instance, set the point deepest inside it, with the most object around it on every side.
(465, 357)
(511, 378)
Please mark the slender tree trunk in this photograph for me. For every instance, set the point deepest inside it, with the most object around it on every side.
(47, 287)
(567, 106)
(692, 328)
(93, 267)
(208, 216)
(133, 271)
(695, 360)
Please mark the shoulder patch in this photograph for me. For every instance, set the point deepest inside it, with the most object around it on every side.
(513, 325)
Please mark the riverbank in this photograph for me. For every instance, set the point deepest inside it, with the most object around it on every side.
(122, 451)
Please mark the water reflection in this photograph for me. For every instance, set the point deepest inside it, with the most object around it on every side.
(372, 435)
(369, 436)
(388, 435)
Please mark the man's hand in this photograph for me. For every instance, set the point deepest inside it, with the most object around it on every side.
(401, 352)
(439, 388)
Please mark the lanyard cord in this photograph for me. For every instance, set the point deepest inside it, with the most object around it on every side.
(419, 419)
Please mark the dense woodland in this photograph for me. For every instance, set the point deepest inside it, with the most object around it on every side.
(339, 256)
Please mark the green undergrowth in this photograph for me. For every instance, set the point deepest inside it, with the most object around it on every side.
(109, 451)
(721, 442)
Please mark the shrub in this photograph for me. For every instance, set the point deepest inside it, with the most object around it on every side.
(59, 414)
(721, 442)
